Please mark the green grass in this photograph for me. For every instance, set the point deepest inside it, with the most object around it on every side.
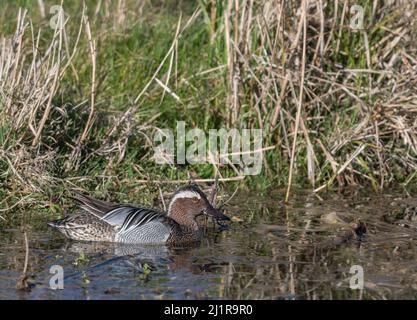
(129, 54)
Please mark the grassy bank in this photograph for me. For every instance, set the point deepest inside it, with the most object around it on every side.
(80, 104)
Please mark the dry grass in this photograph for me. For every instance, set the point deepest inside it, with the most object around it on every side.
(32, 123)
(339, 104)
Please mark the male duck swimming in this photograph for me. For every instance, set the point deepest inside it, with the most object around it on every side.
(136, 224)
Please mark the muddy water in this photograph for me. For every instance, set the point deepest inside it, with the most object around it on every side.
(302, 250)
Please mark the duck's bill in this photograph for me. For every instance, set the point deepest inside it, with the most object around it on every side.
(217, 214)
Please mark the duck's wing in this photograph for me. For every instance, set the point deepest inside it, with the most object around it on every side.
(140, 224)
(128, 216)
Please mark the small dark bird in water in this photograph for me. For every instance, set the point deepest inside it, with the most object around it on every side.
(124, 223)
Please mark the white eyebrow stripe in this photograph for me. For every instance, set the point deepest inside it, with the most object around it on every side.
(186, 194)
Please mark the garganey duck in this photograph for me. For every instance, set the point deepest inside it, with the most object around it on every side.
(136, 224)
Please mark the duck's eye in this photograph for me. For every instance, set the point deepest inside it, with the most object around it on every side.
(195, 200)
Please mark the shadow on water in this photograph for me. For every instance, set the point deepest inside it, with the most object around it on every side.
(302, 250)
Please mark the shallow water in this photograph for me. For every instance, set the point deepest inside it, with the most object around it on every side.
(302, 250)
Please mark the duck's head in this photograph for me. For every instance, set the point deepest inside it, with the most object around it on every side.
(190, 202)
